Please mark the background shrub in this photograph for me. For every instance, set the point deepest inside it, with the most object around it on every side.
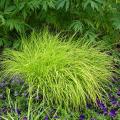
(65, 72)
(91, 18)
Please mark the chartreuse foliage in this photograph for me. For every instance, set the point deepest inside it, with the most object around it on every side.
(66, 72)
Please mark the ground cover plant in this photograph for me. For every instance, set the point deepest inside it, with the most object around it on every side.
(66, 73)
(13, 108)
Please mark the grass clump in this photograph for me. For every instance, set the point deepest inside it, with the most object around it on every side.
(65, 72)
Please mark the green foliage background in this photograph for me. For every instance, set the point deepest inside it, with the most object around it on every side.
(90, 18)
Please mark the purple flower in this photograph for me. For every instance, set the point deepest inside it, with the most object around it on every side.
(105, 111)
(25, 118)
(4, 110)
(46, 118)
(18, 111)
(113, 100)
(16, 80)
(112, 113)
(82, 117)
(102, 106)
(98, 101)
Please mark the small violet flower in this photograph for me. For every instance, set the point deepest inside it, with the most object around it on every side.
(24, 118)
(82, 117)
(4, 110)
(112, 113)
(18, 111)
(46, 118)
(102, 106)
(113, 100)
(105, 111)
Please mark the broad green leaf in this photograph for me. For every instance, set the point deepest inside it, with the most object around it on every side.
(77, 26)
(63, 3)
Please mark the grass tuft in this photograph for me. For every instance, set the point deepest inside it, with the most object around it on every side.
(66, 72)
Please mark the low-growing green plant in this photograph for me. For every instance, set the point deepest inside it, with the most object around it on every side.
(35, 110)
(66, 72)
